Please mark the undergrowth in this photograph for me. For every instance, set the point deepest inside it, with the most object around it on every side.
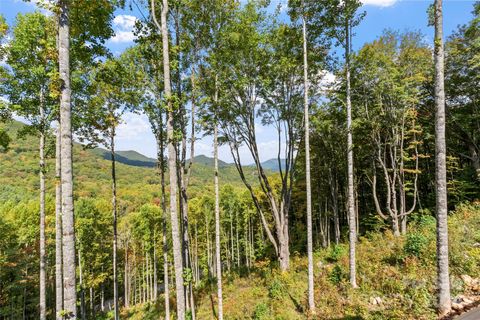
(396, 278)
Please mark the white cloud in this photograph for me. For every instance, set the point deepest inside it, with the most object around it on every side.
(123, 28)
(124, 21)
(380, 3)
(327, 80)
(133, 126)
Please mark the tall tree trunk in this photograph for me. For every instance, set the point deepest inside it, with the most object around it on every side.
(311, 299)
(443, 280)
(24, 305)
(164, 222)
(237, 240)
(68, 224)
(58, 231)
(126, 279)
(102, 297)
(114, 213)
(218, 258)
(92, 303)
(172, 162)
(135, 286)
(43, 305)
(351, 199)
(155, 280)
(82, 289)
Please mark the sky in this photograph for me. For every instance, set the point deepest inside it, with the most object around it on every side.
(402, 15)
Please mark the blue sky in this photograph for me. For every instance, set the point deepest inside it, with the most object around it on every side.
(134, 133)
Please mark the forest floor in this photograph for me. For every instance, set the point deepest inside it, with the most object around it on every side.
(396, 277)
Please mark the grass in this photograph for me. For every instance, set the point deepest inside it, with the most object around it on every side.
(401, 271)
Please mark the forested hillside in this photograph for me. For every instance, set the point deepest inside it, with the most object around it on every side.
(92, 170)
(368, 206)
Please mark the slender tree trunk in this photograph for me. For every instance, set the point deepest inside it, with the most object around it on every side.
(114, 213)
(443, 280)
(155, 280)
(82, 290)
(311, 299)
(102, 297)
(24, 307)
(218, 258)
(92, 303)
(351, 199)
(237, 241)
(164, 231)
(43, 305)
(68, 224)
(209, 264)
(58, 231)
(126, 279)
(172, 161)
(147, 276)
(135, 285)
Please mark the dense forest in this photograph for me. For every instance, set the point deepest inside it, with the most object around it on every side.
(371, 209)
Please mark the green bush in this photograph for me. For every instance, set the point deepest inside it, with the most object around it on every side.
(336, 275)
(337, 252)
(276, 289)
(262, 312)
(415, 244)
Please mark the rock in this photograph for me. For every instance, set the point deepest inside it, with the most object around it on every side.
(467, 301)
(469, 281)
(457, 306)
(461, 301)
(375, 301)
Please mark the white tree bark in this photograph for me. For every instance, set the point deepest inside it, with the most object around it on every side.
(114, 214)
(218, 258)
(311, 298)
(69, 281)
(443, 280)
(43, 305)
(351, 199)
(58, 231)
(172, 162)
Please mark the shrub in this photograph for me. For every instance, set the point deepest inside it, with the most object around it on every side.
(262, 312)
(416, 244)
(336, 275)
(276, 289)
(336, 253)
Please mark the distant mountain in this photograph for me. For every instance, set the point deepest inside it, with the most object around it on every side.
(272, 164)
(136, 173)
(134, 158)
(130, 157)
(202, 159)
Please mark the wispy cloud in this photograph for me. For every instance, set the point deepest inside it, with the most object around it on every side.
(380, 3)
(123, 24)
(133, 126)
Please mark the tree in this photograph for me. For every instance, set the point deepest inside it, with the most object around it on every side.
(68, 226)
(249, 88)
(29, 86)
(443, 279)
(311, 297)
(217, 215)
(463, 114)
(391, 75)
(343, 13)
(111, 97)
(4, 111)
(177, 250)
